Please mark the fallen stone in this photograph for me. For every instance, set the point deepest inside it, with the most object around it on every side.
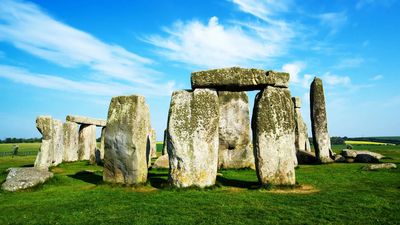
(238, 79)
(235, 150)
(382, 166)
(23, 178)
(302, 142)
(273, 136)
(304, 157)
(86, 120)
(87, 143)
(71, 138)
(354, 153)
(193, 138)
(340, 158)
(319, 122)
(44, 158)
(366, 158)
(125, 150)
(162, 162)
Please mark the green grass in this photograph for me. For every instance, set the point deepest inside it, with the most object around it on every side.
(340, 194)
(23, 147)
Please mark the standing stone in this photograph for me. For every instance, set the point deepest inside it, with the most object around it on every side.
(301, 133)
(58, 139)
(153, 143)
(87, 142)
(103, 130)
(44, 158)
(235, 149)
(164, 150)
(71, 138)
(193, 138)
(126, 140)
(273, 136)
(319, 123)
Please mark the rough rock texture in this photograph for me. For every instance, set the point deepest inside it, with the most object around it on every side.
(235, 149)
(380, 166)
(164, 150)
(125, 152)
(193, 138)
(58, 138)
(71, 138)
(162, 162)
(340, 158)
(153, 143)
(302, 142)
(319, 123)
(238, 79)
(103, 130)
(354, 153)
(23, 178)
(44, 158)
(86, 120)
(273, 137)
(87, 142)
(304, 157)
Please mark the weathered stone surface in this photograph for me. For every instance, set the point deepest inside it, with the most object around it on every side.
(153, 143)
(354, 153)
(319, 122)
(23, 178)
(340, 158)
(125, 152)
(103, 130)
(44, 158)
(164, 150)
(302, 142)
(87, 143)
(162, 162)
(86, 120)
(366, 158)
(235, 149)
(273, 137)
(71, 138)
(380, 166)
(58, 138)
(238, 79)
(193, 138)
(304, 157)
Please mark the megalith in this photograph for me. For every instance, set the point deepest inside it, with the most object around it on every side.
(319, 123)
(58, 138)
(192, 142)
(44, 158)
(164, 150)
(235, 150)
(87, 142)
(103, 130)
(71, 137)
(153, 143)
(125, 140)
(302, 142)
(273, 136)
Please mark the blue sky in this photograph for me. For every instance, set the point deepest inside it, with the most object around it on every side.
(70, 57)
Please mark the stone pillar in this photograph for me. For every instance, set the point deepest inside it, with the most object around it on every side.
(164, 150)
(58, 138)
(71, 137)
(44, 158)
(319, 123)
(235, 149)
(273, 136)
(193, 138)
(103, 130)
(301, 133)
(125, 149)
(153, 143)
(87, 142)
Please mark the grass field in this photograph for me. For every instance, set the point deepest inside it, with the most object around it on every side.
(329, 194)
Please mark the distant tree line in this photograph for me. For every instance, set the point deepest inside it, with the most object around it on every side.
(20, 140)
(341, 140)
(335, 140)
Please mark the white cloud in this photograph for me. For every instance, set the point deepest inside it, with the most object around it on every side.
(28, 28)
(213, 44)
(293, 69)
(377, 77)
(263, 9)
(350, 62)
(333, 80)
(333, 20)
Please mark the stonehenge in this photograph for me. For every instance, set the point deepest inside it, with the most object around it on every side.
(319, 123)
(70, 141)
(209, 128)
(125, 143)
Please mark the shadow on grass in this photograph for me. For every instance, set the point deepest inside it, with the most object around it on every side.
(158, 180)
(251, 185)
(88, 177)
(28, 165)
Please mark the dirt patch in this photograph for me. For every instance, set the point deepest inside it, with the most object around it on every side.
(302, 189)
(57, 170)
(141, 189)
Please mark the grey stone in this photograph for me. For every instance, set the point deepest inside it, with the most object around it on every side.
(44, 158)
(153, 143)
(340, 158)
(87, 143)
(23, 178)
(125, 152)
(235, 150)
(71, 138)
(164, 150)
(319, 122)
(103, 130)
(366, 158)
(364, 155)
(238, 79)
(193, 138)
(304, 157)
(302, 142)
(58, 138)
(86, 120)
(162, 162)
(273, 137)
(382, 166)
